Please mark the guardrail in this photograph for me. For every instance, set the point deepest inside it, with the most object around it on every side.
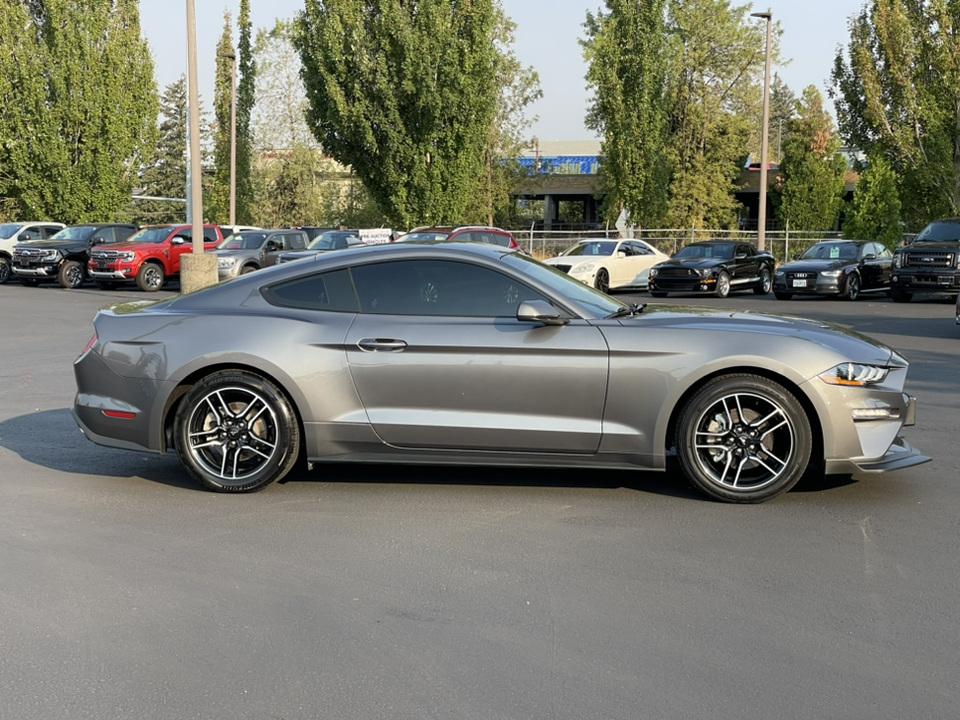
(782, 245)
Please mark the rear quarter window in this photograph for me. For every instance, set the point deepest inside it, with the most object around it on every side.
(332, 291)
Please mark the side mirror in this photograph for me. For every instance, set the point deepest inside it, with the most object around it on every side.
(621, 254)
(797, 256)
(179, 240)
(869, 256)
(270, 247)
(97, 241)
(539, 311)
(24, 237)
(740, 256)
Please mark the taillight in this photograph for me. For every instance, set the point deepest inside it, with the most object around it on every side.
(89, 347)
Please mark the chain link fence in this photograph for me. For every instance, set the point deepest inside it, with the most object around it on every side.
(782, 245)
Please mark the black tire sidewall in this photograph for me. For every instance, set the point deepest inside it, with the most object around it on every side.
(141, 273)
(706, 396)
(62, 274)
(288, 431)
(6, 270)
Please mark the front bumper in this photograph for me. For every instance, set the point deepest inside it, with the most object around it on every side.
(685, 285)
(119, 275)
(900, 455)
(913, 280)
(41, 271)
(818, 286)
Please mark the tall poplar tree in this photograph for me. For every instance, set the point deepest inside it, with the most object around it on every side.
(405, 94)
(80, 107)
(874, 213)
(218, 207)
(812, 170)
(625, 51)
(246, 89)
(897, 93)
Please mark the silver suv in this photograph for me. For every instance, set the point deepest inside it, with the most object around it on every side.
(245, 252)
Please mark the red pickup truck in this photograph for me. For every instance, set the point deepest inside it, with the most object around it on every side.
(149, 258)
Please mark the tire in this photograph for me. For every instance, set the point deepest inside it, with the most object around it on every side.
(150, 277)
(5, 271)
(247, 269)
(782, 295)
(852, 290)
(766, 283)
(105, 285)
(723, 285)
(748, 458)
(900, 296)
(236, 432)
(602, 281)
(71, 274)
(29, 282)
(658, 293)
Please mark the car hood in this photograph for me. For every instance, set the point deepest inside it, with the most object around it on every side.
(692, 262)
(129, 246)
(924, 246)
(57, 244)
(850, 344)
(574, 260)
(816, 265)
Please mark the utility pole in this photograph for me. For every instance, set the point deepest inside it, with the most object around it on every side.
(764, 149)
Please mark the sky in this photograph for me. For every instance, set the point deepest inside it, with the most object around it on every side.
(546, 39)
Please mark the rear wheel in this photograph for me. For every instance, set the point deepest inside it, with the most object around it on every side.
(744, 439)
(71, 274)
(765, 283)
(150, 277)
(900, 296)
(247, 269)
(236, 432)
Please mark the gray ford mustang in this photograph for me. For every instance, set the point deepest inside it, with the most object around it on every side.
(463, 354)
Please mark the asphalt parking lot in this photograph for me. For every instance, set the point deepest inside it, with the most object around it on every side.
(384, 592)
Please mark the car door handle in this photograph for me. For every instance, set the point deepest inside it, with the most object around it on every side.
(381, 345)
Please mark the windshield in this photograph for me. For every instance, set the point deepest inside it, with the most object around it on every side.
(720, 251)
(592, 248)
(10, 229)
(243, 241)
(939, 232)
(80, 232)
(564, 285)
(152, 234)
(329, 240)
(424, 237)
(832, 251)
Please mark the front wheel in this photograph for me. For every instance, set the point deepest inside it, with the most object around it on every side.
(150, 277)
(236, 432)
(852, 291)
(765, 283)
(743, 439)
(723, 285)
(602, 281)
(900, 296)
(71, 274)
(4, 270)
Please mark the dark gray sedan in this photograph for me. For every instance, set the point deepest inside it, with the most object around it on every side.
(464, 354)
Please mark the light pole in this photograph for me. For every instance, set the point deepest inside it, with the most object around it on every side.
(233, 135)
(762, 214)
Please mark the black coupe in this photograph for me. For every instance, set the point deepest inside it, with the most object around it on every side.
(714, 266)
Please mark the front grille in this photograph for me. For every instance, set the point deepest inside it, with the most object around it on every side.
(563, 268)
(931, 259)
(27, 253)
(105, 255)
(677, 272)
(802, 276)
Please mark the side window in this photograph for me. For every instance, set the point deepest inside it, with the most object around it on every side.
(884, 253)
(296, 241)
(626, 249)
(639, 249)
(331, 291)
(210, 235)
(745, 250)
(124, 232)
(108, 234)
(185, 233)
(439, 288)
(50, 230)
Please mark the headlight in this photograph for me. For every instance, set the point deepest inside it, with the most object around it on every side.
(52, 255)
(226, 262)
(780, 272)
(127, 257)
(583, 268)
(898, 260)
(831, 273)
(854, 375)
(654, 272)
(705, 272)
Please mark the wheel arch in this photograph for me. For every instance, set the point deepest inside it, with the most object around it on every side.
(816, 427)
(187, 383)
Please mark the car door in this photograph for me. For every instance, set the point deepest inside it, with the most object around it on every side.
(176, 248)
(441, 362)
(620, 267)
(641, 261)
(746, 265)
(874, 268)
(272, 248)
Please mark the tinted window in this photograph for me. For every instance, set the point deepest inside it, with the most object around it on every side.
(437, 236)
(48, 230)
(210, 235)
(639, 249)
(331, 291)
(884, 252)
(832, 251)
(78, 232)
(10, 229)
(439, 288)
(490, 238)
(123, 233)
(721, 251)
(745, 250)
(243, 241)
(108, 234)
(297, 241)
(592, 248)
(157, 234)
(31, 234)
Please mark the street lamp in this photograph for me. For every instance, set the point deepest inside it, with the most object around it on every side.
(233, 135)
(762, 215)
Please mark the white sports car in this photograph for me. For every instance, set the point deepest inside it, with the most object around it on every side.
(609, 264)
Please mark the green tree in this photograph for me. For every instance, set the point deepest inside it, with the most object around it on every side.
(874, 213)
(783, 108)
(405, 94)
(625, 51)
(714, 80)
(80, 107)
(897, 94)
(812, 170)
(246, 96)
(217, 208)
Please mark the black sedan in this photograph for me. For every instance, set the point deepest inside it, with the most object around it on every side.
(713, 266)
(837, 267)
